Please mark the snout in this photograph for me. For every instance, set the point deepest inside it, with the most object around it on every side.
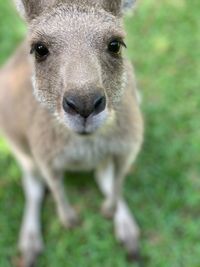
(84, 105)
(84, 113)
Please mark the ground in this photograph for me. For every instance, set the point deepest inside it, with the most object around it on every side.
(163, 190)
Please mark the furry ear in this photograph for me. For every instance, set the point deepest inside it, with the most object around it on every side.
(113, 6)
(30, 9)
(117, 7)
(128, 5)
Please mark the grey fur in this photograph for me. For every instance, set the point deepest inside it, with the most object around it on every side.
(128, 4)
(45, 139)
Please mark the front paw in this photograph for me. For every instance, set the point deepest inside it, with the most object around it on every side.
(108, 209)
(69, 218)
(127, 231)
(30, 246)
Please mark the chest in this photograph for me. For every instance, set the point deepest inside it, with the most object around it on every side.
(87, 153)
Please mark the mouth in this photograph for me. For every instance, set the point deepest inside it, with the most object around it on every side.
(85, 126)
(82, 128)
(84, 133)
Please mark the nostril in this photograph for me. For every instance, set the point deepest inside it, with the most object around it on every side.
(84, 105)
(100, 104)
(69, 105)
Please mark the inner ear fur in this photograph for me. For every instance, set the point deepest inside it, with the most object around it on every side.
(118, 7)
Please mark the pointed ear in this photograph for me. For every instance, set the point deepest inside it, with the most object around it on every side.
(118, 7)
(113, 6)
(30, 9)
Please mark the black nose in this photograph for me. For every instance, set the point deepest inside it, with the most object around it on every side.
(84, 105)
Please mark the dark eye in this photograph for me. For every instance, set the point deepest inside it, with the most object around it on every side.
(115, 46)
(41, 51)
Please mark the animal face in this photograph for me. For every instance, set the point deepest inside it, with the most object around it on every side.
(78, 65)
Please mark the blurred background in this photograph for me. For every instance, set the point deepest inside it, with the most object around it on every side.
(163, 191)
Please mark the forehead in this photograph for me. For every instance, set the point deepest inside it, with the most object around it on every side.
(73, 21)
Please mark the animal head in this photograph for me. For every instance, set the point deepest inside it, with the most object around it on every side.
(76, 46)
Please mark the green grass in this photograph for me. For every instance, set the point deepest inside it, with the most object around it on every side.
(164, 190)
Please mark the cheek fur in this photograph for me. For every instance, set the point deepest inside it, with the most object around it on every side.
(44, 96)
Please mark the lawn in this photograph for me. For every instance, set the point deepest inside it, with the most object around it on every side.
(164, 189)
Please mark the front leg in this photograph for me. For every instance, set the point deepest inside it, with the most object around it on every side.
(31, 243)
(105, 179)
(66, 213)
(110, 176)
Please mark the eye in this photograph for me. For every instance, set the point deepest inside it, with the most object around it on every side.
(40, 50)
(115, 46)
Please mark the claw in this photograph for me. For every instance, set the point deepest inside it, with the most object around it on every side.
(134, 256)
(28, 260)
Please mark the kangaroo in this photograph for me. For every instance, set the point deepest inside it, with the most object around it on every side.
(69, 101)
